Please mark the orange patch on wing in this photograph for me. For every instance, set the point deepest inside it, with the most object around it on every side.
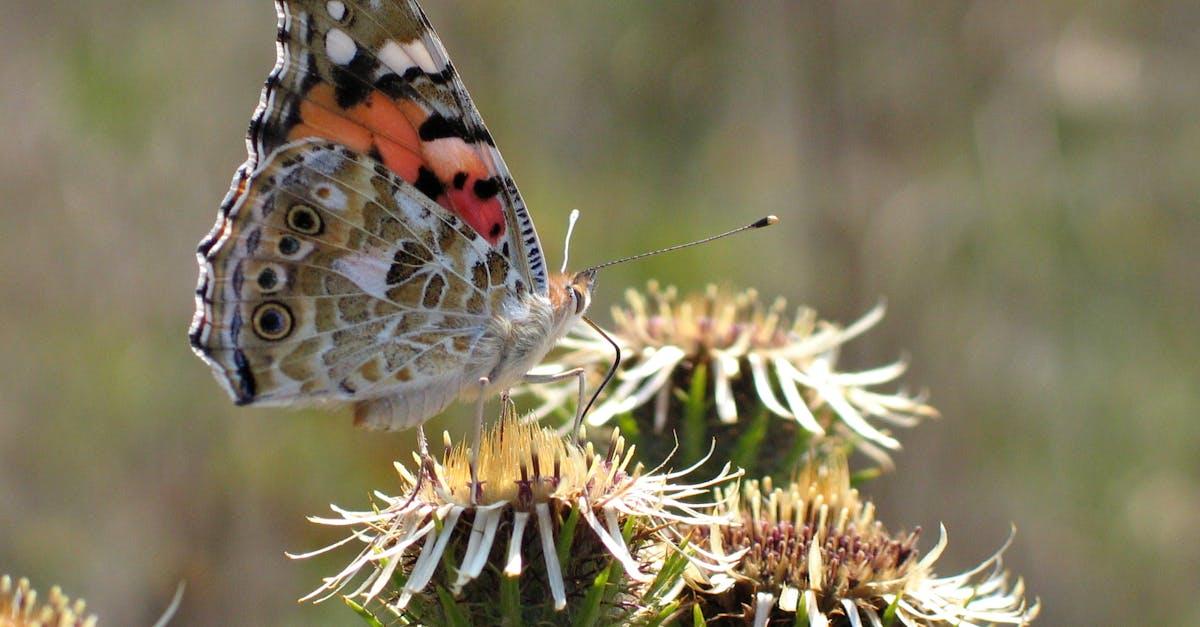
(396, 138)
(321, 117)
(485, 216)
(390, 128)
(451, 158)
(375, 123)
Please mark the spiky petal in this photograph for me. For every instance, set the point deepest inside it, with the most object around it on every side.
(530, 480)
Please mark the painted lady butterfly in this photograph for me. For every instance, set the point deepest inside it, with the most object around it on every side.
(373, 248)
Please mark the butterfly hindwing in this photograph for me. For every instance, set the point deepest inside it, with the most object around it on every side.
(333, 278)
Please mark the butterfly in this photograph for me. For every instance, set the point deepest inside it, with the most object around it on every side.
(373, 249)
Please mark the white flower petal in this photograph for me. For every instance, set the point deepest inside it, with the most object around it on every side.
(491, 522)
(799, 408)
(617, 549)
(553, 571)
(852, 613)
(815, 617)
(762, 385)
(789, 598)
(763, 601)
(512, 565)
(724, 369)
(428, 561)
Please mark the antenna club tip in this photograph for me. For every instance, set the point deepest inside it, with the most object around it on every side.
(767, 221)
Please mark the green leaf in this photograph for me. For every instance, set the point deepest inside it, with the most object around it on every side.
(566, 536)
(454, 615)
(628, 426)
(615, 570)
(663, 614)
(398, 578)
(864, 475)
(363, 613)
(589, 611)
(510, 601)
(628, 527)
(889, 614)
(672, 568)
(698, 617)
(745, 451)
(695, 426)
(796, 454)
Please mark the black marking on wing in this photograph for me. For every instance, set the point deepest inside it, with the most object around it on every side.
(486, 188)
(427, 183)
(246, 388)
(348, 88)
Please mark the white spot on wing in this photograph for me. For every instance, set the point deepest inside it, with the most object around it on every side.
(368, 272)
(339, 47)
(420, 55)
(336, 9)
(329, 196)
(395, 58)
(324, 161)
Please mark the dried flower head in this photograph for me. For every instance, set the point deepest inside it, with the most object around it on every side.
(720, 363)
(816, 554)
(20, 607)
(529, 476)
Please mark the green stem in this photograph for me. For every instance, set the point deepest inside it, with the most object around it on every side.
(510, 601)
(695, 427)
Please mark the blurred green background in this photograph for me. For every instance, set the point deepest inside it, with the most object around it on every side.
(1018, 180)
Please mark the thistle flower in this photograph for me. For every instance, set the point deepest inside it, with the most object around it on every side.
(759, 360)
(816, 554)
(623, 563)
(20, 607)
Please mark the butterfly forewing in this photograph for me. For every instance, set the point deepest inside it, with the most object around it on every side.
(374, 229)
(373, 76)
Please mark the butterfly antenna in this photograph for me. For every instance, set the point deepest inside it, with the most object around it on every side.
(757, 224)
(567, 245)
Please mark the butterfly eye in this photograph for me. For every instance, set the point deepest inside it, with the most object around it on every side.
(304, 219)
(272, 321)
(580, 304)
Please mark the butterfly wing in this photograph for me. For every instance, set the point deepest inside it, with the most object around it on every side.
(373, 76)
(373, 229)
(337, 280)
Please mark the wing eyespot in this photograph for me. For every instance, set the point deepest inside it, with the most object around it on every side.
(269, 279)
(304, 219)
(272, 321)
(288, 246)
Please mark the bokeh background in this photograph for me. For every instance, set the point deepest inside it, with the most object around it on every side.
(1019, 181)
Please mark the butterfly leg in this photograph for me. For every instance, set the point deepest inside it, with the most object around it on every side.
(427, 463)
(509, 405)
(476, 436)
(581, 376)
(422, 441)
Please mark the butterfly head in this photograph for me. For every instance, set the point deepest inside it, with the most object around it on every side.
(571, 293)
